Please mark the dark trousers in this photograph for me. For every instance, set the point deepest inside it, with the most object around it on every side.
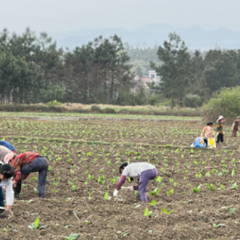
(39, 164)
(1, 198)
(220, 137)
(206, 141)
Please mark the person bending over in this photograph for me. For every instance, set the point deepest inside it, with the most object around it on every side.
(142, 171)
(6, 177)
(208, 132)
(27, 163)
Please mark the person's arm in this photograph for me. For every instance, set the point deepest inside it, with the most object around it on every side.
(120, 182)
(9, 197)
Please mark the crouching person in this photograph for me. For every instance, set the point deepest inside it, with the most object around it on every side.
(6, 177)
(142, 171)
(27, 163)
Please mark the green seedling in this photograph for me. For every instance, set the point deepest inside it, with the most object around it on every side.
(218, 225)
(170, 192)
(147, 213)
(72, 236)
(101, 179)
(33, 179)
(35, 225)
(29, 201)
(155, 192)
(212, 188)
(232, 210)
(153, 202)
(165, 211)
(197, 189)
(74, 187)
(234, 186)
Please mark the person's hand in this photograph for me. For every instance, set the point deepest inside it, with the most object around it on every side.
(14, 183)
(9, 207)
(115, 193)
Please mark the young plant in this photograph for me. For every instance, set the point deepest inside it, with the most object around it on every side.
(165, 211)
(197, 189)
(147, 213)
(155, 192)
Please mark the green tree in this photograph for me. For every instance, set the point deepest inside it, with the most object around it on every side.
(174, 69)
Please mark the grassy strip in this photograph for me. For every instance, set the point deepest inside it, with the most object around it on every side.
(95, 116)
(108, 143)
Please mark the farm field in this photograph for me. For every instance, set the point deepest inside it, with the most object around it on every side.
(196, 195)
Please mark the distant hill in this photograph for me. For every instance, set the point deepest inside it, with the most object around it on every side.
(195, 37)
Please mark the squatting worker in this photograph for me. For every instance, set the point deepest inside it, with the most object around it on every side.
(142, 171)
(8, 145)
(235, 127)
(6, 177)
(27, 163)
(208, 132)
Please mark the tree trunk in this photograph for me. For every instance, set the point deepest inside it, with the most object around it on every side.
(172, 103)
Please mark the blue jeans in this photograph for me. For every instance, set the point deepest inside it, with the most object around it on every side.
(39, 164)
(1, 198)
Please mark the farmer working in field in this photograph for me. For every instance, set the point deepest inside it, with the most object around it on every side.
(219, 129)
(208, 132)
(6, 177)
(27, 163)
(142, 171)
(235, 127)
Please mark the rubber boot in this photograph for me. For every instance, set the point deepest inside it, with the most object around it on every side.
(17, 189)
(41, 195)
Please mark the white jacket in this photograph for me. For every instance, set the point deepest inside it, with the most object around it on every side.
(9, 190)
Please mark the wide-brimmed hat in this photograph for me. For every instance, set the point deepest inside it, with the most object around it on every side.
(220, 118)
(238, 117)
(8, 157)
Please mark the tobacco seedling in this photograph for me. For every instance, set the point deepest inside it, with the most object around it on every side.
(147, 213)
(165, 211)
(197, 189)
(155, 192)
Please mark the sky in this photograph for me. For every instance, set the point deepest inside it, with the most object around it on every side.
(67, 15)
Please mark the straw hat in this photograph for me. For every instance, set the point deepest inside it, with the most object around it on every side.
(220, 118)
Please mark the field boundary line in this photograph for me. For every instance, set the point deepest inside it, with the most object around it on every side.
(114, 143)
(100, 119)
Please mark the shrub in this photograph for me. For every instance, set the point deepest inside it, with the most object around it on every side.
(192, 100)
(110, 110)
(225, 102)
(95, 108)
(53, 103)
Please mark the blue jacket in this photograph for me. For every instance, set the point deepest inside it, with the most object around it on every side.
(8, 145)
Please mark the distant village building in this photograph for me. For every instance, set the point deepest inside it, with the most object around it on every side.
(142, 81)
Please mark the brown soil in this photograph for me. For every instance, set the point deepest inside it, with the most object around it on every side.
(64, 211)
